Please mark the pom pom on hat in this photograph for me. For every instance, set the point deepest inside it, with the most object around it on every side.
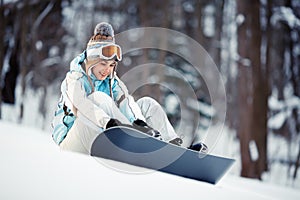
(105, 29)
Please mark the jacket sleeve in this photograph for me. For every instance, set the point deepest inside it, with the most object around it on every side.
(77, 96)
(125, 101)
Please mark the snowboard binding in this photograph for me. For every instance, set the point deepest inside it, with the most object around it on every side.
(200, 147)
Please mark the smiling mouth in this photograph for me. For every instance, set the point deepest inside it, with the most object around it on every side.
(103, 74)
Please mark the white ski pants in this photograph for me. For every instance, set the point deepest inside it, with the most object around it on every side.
(82, 134)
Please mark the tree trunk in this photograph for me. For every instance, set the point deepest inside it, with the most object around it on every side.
(244, 92)
(227, 63)
(275, 50)
(142, 5)
(260, 90)
(162, 53)
(253, 92)
(199, 36)
(255, 95)
(2, 32)
(24, 53)
(297, 164)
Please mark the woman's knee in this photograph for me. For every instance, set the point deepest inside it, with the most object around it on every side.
(147, 101)
(148, 106)
(100, 96)
(105, 102)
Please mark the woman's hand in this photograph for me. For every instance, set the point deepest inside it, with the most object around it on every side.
(143, 126)
(114, 122)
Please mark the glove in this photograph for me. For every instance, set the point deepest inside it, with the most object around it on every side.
(143, 126)
(114, 122)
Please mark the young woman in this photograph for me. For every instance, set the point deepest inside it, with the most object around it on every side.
(93, 99)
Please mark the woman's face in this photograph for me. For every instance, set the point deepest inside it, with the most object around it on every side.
(103, 69)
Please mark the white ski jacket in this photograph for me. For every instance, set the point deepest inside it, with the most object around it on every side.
(75, 89)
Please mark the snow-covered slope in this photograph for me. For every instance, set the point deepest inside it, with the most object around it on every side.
(33, 167)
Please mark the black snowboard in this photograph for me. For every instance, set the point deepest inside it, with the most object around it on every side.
(136, 148)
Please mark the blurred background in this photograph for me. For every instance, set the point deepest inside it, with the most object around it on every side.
(254, 43)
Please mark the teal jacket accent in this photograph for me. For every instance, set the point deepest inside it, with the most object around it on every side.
(65, 114)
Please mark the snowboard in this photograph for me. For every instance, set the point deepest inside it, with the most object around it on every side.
(137, 148)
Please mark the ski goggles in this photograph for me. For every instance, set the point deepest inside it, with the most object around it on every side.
(106, 52)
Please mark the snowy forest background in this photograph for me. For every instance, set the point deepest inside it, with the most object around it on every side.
(254, 43)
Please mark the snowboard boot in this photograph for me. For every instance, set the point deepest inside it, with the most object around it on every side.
(201, 147)
(176, 141)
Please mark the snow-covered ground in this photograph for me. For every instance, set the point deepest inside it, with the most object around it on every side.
(33, 167)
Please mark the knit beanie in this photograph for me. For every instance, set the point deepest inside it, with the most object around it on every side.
(103, 33)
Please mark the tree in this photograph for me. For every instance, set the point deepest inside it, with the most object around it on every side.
(244, 91)
(252, 129)
(260, 91)
(2, 32)
(283, 64)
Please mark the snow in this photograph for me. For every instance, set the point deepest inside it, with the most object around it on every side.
(253, 151)
(188, 7)
(9, 1)
(32, 116)
(240, 19)
(277, 121)
(33, 167)
(285, 14)
(172, 103)
(204, 108)
(209, 21)
(283, 108)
